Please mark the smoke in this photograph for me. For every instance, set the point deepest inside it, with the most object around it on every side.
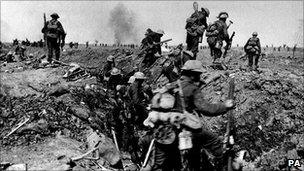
(123, 22)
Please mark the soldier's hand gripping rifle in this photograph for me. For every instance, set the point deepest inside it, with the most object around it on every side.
(228, 46)
(229, 140)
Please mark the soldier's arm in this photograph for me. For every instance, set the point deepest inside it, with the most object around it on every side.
(44, 27)
(207, 108)
(259, 45)
(246, 44)
(225, 33)
(60, 29)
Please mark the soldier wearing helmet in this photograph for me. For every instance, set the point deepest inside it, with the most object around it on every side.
(253, 50)
(156, 39)
(115, 78)
(55, 35)
(216, 33)
(196, 25)
(138, 98)
(106, 71)
(194, 101)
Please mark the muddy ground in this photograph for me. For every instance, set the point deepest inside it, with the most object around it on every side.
(269, 107)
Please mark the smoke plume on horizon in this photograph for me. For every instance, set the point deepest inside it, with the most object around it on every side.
(124, 25)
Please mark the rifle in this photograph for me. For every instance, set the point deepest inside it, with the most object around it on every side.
(44, 33)
(227, 46)
(229, 141)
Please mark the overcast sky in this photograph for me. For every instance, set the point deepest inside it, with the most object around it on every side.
(277, 22)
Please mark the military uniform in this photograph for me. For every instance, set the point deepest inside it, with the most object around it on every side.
(147, 43)
(194, 101)
(195, 27)
(54, 34)
(106, 72)
(217, 33)
(253, 50)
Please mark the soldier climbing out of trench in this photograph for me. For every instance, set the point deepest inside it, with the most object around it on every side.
(55, 36)
(151, 47)
(195, 26)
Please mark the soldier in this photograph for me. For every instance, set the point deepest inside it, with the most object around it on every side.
(195, 27)
(156, 37)
(138, 98)
(216, 33)
(19, 51)
(147, 49)
(115, 78)
(107, 68)
(166, 157)
(54, 35)
(253, 50)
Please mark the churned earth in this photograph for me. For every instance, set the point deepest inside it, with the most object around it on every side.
(269, 111)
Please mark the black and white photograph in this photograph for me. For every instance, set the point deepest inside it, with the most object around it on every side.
(102, 85)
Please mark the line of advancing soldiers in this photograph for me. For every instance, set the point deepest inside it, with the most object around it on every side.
(169, 105)
(216, 33)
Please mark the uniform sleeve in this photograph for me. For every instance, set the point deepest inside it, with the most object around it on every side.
(207, 108)
(226, 35)
(60, 28)
(246, 44)
(259, 45)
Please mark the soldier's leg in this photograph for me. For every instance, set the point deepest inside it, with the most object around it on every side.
(256, 60)
(50, 50)
(217, 54)
(57, 50)
(195, 47)
(167, 157)
(212, 143)
(250, 61)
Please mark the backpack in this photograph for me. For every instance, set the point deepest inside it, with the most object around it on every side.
(164, 99)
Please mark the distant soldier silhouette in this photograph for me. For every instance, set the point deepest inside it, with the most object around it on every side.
(253, 50)
(55, 35)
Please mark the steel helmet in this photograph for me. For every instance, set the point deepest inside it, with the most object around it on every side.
(139, 75)
(115, 71)
(131, 79)
(110, 58)
(223, 15)
(193, 65)
(159, 31)
(148, 31)
(254, 33)
(54, 15)
(207, 11)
